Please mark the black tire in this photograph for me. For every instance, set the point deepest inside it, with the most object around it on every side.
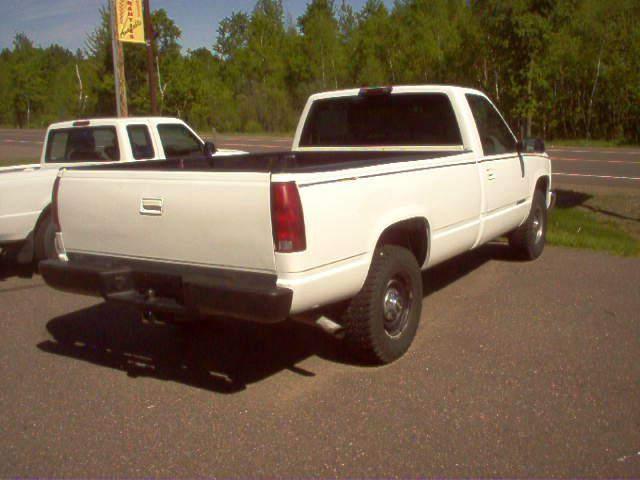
(45, 248)
(527, 241)
(381, 321)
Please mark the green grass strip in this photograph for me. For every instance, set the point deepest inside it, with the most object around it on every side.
(576, 228)
(588, 143)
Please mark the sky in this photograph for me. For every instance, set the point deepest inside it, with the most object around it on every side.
(67, 22)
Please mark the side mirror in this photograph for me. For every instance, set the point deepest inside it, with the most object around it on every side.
(209, 149)
(533, 145)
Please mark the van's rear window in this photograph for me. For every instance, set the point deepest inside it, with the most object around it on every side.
(407, 119)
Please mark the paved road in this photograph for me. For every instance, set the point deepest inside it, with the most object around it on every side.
(518, 370)
(21, 145)
(579, 166)
(595, 166)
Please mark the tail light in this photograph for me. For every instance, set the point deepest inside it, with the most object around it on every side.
(54, 205)
(287, 218)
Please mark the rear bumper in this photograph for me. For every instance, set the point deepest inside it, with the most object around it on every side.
(178, 290)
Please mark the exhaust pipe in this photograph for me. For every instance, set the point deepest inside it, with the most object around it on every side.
(329, 326)
(323, 323)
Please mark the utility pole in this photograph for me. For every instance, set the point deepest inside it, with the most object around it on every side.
(118, 65)
(151, 70)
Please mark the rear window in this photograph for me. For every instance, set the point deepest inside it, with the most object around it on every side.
(415, 119)
(82, 144)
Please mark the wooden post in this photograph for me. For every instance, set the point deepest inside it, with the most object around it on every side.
(119, 77)
(151, 70)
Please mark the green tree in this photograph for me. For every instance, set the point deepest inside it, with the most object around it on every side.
(321, 45)
(556, 68)
(372, 61)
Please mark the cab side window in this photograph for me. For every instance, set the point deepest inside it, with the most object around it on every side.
(178, 141)
(141, 146)
(495, 136)
(82, 144)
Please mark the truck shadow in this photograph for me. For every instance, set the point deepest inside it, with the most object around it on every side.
(9, 270)
(446, 273)
(570, 198)
(222, 356)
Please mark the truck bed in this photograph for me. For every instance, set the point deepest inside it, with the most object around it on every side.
(208, 212)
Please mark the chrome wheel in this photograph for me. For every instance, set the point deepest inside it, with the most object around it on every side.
(396, 303)
(538, 224)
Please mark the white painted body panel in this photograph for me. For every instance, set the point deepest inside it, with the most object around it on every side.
(23, 196)
(230, 209)
(25, 191)
(345, 211)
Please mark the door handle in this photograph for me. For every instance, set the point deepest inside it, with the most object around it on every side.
(151, 206)
(491, 174)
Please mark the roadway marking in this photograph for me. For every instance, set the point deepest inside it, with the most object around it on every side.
(573, 159)
(21, 141)
(260, 139)
(611, 177)
(250, 145)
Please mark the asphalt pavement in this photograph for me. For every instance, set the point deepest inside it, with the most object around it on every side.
(618, 167)
(518, 370)
(16, 144)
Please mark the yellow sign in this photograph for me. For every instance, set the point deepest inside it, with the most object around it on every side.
(130, 22)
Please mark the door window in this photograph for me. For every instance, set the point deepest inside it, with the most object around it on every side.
(178, 141)
(495, 136)
(141, 146)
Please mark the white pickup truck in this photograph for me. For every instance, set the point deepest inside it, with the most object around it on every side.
(26, 229)
(380, 184)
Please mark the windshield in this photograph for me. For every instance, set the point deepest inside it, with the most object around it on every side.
(414, 119)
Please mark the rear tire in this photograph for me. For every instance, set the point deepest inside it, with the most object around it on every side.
(381, 321)
(45, 238)
(527, 241)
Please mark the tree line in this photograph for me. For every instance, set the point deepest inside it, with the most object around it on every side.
(557, 68)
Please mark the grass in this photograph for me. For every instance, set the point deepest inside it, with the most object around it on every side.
(588, 227)
(583, 142)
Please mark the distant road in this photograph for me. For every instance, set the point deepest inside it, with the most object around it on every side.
(617, 167)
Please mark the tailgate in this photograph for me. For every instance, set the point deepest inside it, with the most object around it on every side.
(219, 219)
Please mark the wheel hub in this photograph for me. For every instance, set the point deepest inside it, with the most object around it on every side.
(395, 305)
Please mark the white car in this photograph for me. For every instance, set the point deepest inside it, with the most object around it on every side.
(380, 184)
(25, 191)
